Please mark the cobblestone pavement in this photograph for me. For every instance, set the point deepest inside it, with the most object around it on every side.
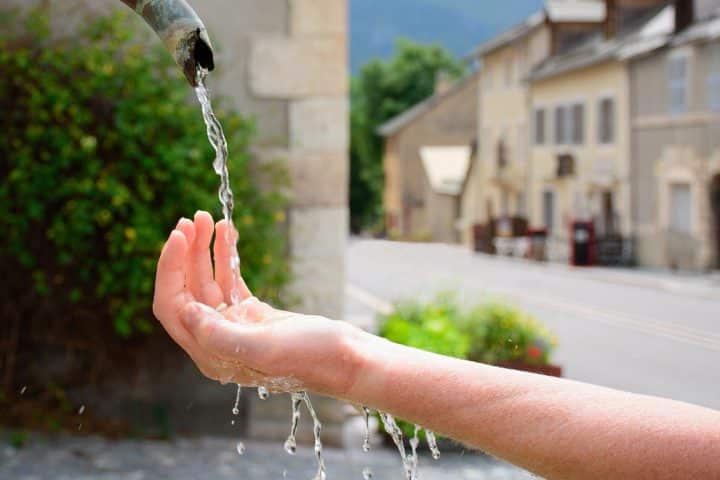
(66, 458)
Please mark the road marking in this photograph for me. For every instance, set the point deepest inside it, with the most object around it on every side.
(679, 333)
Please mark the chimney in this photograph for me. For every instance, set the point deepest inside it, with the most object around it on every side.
(443, 82)
(611, 18)
(684, 14)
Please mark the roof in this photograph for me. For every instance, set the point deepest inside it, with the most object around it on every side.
(651, 32)
(514, 33)
(705, 30)
(582, 11)
(405, 118)
(446, 167)
(557, 11)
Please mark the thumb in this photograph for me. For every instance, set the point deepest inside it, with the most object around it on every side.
(218, 335)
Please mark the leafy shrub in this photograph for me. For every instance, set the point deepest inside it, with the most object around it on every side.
(490, 333)
(101, 154)
(504, 333)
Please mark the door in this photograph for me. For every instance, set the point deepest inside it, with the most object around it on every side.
(715, 203)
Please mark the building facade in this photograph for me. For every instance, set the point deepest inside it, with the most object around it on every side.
(675, 92)
(426, 158)
(580, 153)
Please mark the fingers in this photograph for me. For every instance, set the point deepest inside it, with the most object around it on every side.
(170, 293)
(223, 268)
(216, 334)
(201, 282)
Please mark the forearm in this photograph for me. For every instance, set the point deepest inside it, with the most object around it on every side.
(556, 428)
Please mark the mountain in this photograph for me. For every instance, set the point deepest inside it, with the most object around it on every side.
(459, 25)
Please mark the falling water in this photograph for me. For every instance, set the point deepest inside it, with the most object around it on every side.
(217, 139)
(225, 194)
(291, 442)
(366, 439)
(317, 429)
(396, 434)
(432, 444)
(414, 442)
(236, 407)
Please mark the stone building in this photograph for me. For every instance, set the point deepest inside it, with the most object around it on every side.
(499, 183)
(427, 155)
(675, 92)
(285, 64)
(580, 154)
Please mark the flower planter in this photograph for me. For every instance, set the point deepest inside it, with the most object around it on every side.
(549, 369)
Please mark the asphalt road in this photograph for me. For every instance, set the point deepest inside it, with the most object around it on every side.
(656, 335)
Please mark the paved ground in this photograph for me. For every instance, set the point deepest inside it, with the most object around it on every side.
(213, 459)
(651, 333)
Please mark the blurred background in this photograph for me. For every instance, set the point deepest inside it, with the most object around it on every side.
(534, 186)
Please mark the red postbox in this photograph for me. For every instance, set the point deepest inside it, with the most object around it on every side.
(583, 241)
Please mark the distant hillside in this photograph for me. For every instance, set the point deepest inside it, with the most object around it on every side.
(459, 25)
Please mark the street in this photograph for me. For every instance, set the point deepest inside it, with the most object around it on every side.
(656, 335)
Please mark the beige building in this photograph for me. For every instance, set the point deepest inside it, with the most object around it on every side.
(427, 155)
(675, 91)
(498, 185)
(283, 63)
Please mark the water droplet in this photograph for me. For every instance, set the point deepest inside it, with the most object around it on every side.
(23, 390)
(432, 444)
(263, 393)
(79, 426)
(240, 447)
(236, 406)
(366, 439)
(82, 410)
(367, 473)
(232, 422)
(284, 473)
(290, 446)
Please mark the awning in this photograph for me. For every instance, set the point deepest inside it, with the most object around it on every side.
(446, 167)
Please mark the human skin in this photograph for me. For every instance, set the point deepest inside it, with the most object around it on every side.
(553, 427)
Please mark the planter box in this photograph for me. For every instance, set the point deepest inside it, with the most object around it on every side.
(549, 370)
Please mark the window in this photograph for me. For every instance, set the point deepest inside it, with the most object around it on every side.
(540, 126)
(508, 71)
(713, 81)
(521, 204)
(560, 125)
(678, 82)
(578, 123)
(549, 209)
(680, 208)
(606, 121)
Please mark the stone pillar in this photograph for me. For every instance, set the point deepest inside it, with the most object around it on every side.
(286, 63)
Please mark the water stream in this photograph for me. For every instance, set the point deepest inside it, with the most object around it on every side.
(218, 141)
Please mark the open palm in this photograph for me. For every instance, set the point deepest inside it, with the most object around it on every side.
(249, 343)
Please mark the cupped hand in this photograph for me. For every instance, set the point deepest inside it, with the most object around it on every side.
(249, 343)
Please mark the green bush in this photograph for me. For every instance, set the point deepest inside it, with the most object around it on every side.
(503, 333)
(102, 152)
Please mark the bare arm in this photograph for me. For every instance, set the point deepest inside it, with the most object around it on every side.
(555, 428)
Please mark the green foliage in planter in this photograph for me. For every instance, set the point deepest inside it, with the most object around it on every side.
(504, 333)
(102, 150)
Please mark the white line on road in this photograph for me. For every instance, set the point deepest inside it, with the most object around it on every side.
(679, 333)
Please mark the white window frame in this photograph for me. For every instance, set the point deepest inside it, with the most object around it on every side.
(673, 224)
(683, 84)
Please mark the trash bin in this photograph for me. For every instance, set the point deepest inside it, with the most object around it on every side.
(537, 239)
(583, 241)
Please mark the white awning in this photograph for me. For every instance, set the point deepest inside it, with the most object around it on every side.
(575, 10)
(446, 167)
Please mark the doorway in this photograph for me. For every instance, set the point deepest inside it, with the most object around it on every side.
(715, 205)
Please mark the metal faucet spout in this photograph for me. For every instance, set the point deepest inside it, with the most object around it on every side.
(182, 31)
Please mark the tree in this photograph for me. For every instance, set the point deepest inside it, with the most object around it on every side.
(381, 91)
